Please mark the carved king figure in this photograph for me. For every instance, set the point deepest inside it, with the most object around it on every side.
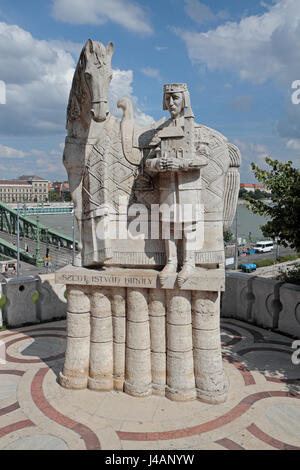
(178, 159)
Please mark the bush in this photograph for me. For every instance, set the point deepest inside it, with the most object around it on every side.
(283, 259)
(292, 276)
(264, 262)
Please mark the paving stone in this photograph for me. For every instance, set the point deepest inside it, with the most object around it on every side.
(38, 442)
(261, 411)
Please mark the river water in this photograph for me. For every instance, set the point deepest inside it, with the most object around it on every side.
(247, 222)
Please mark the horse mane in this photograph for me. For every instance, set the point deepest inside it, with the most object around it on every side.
(78, 93)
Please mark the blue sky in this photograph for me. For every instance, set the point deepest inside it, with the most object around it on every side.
(239, 59)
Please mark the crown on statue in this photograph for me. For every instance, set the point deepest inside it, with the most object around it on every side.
(175, 87)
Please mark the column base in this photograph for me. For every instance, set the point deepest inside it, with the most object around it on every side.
(119, 384)
(137, 391)
(180, 395)
(104, 384)
(159, 390)
(75, 383)
(214, 397)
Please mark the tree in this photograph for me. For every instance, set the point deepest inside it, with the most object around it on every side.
(53, 196)
(67, 196)
(228, 236)
(258, 194)
(243, 192)
(283, 211)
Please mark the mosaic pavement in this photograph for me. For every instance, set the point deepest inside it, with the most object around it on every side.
(262, 411)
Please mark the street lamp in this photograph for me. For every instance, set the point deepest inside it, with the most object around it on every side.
(18, 240)
(236, 242)
(73, 232)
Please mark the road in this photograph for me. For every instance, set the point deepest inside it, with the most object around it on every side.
(270, 255)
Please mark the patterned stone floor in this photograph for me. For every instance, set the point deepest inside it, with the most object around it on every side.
(262, 411)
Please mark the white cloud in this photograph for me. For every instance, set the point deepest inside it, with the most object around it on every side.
(240, 144)
(123, 12)
(152, 73)
(9, 152)
(201, 13)
(38, 76)
(121, 86)
(257, 48)
(293, 144)
(258, 148)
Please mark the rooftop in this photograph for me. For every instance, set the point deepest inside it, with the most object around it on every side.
(7, 182)
(32, 178)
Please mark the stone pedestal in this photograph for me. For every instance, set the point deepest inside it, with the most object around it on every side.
(127, 333)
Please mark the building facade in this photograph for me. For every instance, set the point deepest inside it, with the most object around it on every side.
(61, 189)
(253, 187)
(27, 188)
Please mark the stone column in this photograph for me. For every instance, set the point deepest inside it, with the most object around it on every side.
(76, 367)
(157, 317)
(210, 378)
(118, 306)
(180, 366)
(138, 359)
(101, 353)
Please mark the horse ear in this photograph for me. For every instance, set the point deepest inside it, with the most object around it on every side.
(89, 46)
(110, 49)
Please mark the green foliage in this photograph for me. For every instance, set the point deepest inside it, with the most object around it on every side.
(243, 192)
(258, 194)
(284, 210)
(292, 276)
(264, 262)
(285, 258)
(227, 236)
(53, 196)
(67, 197)
(2, 301)
(35, 297)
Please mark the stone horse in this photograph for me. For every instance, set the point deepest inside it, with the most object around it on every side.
(87, 114)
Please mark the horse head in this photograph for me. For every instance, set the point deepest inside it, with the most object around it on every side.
(89, 93)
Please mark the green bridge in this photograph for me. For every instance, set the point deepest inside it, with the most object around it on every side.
(45, 210)
(30, 229)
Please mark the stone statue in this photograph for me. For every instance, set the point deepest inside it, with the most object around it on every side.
(178, 162)
(135, 323)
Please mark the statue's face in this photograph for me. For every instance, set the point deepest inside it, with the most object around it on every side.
(174, 103)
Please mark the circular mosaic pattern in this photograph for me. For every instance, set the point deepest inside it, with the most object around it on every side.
(8, 388)
(38, 442)
(36, 349)
(285, 417)
(262, 410)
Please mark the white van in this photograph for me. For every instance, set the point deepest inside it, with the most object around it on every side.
(264, 246)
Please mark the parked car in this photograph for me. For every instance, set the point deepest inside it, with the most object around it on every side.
(248, 268)
(264, 246)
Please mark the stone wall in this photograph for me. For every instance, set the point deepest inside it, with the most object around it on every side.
(261, 301)
(264, 302)
(276, 269)
(31, 300)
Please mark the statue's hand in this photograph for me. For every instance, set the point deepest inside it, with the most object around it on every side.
(159, 166)
(173, 164)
